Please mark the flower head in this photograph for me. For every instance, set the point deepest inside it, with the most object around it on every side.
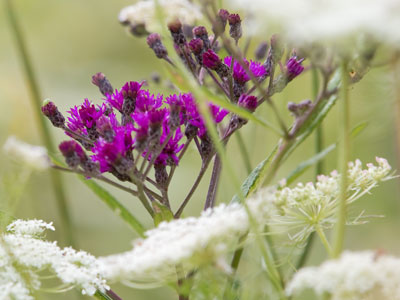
(355, 275)
(294, 67)
(32, 255)
(239, 73)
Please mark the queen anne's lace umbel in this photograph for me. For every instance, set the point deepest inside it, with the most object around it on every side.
(23, 252)
(306, 207)
(356, 275)
(183, 243)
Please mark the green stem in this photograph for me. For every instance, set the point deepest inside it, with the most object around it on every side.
(324, 240)
(36, 98)
(244, 152)
(343, 160)
(319, 144)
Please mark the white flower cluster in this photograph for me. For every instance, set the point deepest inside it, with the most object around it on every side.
(185, 244)
(34, 157)
(145, 13)
(22, 252)
(179, 244)
(307, 21)
(355, 276)
(308, 206)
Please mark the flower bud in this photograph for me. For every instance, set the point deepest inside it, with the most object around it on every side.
(175, 27)
(235, 30)
(50, 110)
(201, 33)
(221, 20)
(73, 153)
(105, 87)
(212, 61)
(154, 42)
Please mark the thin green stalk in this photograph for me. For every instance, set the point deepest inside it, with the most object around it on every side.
(324, 240)
(244, 152)
(319, 144)
(343, 160)
(36, 99)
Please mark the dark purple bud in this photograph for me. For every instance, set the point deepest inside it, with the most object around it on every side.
(221, 21)
(211, 60)
(175, 27)
(73, 153)
(161, 174)
(138, 30)
(100, 80)
(294, 67)
(261, 51)
(201, 33)
(154, 42)
(235, 30)
(248, 102)
(50, 110)
(197, 47)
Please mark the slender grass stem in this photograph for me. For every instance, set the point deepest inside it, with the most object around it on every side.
(244, 152)
(215, 176)
(35, 96)
(343, 160)
(319, 169)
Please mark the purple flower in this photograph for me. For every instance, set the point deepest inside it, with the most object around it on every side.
(168, 155)
(116, 153)
(217, 112)
(116, 100)
(248, 102)
(106, 126)
(141, 128)
(131, 89)
(85, 116)
(147, 102)
(294, 67)
(239, 73)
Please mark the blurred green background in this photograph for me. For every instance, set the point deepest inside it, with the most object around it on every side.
(71, 40)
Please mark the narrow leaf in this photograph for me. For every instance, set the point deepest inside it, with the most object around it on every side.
(110, 201)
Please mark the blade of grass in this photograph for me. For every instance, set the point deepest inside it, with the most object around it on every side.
(35, 96)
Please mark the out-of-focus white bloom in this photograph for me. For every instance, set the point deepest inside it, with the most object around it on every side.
(355, 276)
(181, 244)
(22, 251)
(144, 13)
(33, 156)
(307, 21)
(29, 227)
(300, 210)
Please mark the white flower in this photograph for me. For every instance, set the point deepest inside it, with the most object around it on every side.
(29, 227)
(308, 21)
(21, 251)
(355, 276)
(144, 13)
(306, 207)
(184, 244)
(33, 156)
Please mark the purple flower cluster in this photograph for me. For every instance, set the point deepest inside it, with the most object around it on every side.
(148, 123)
(239, 73)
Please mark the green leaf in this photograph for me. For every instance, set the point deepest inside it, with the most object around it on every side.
(161, 213)
(110, 201)
(102, 296)
(114, 205)
(252, 181)
(302, 167)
